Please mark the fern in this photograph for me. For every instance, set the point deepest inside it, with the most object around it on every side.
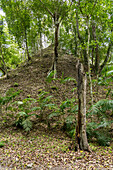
(27, 125)
(54, 114)
(10, 94)
(50, 76)
(2, 144)
(107, 69)
(101, 107)
(107, 75)
(100, 130)
(67, 79)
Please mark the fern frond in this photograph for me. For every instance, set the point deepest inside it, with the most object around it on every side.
(27, 125)
(54, 114)
(36, 108)
(67, 80)
(22, 114)
(47, 99)
(102, 106)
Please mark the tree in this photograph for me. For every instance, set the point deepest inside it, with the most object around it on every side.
(2, 40)
(18, 19)
(57, 9)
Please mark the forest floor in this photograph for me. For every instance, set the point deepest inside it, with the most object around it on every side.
(45, 148)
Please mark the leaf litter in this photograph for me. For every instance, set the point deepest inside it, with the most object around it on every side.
(42, 148)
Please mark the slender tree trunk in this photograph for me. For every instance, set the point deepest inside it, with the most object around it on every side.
(4, 64)
(97, 58)
(75, 39)
(56, 49)
(41, 46)
(29, 58)
(88, 56)
(107, 57)
(82, 43)
(92, 59)
(81, 136)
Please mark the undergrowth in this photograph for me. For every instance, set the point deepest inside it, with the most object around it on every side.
(44, 109)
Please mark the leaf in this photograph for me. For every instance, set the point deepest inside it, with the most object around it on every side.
(22, 114)
(2, 144)
(36, 108)
(50, 106)
(101, 107)
(67, 79)
(50, 76)
(54, 114)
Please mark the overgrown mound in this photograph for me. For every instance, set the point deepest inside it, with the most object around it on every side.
(30, 95)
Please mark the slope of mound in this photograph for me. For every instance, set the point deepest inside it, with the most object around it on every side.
(31, 77)
(45, 148)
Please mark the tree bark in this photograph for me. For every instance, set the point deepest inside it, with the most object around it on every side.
(4, 64)
(29, 58)
(81, 136)
(75, 39)
(56, 48)
(54, 65)
(107, 57)
(41, 46)
(97, 58)
(88, 57)
(82, 43)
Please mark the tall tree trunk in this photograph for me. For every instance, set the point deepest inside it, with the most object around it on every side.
(88, 56)
(75, 39)
(41, 46)
(97, 58)
(92, 59)
(82, 43)
(56, 49)
(4, 64)
(29, 58)
(81, 136)
(107, 56)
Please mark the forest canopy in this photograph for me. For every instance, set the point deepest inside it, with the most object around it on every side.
(83, 28)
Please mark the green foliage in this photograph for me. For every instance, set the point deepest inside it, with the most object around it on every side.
(50, 77)
(99, 132)
(66, 106)
(2, 144)
(106, 75)
(103, 139)
(21, 116)
(45, 105)
(70, 125)
(15, 84)
(27, 125)
(65, 113)
(26, 109)
(66, 79)
(7, 99)
(101, 108)
(23, 109)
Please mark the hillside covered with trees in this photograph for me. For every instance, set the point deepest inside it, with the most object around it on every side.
(56, 84)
